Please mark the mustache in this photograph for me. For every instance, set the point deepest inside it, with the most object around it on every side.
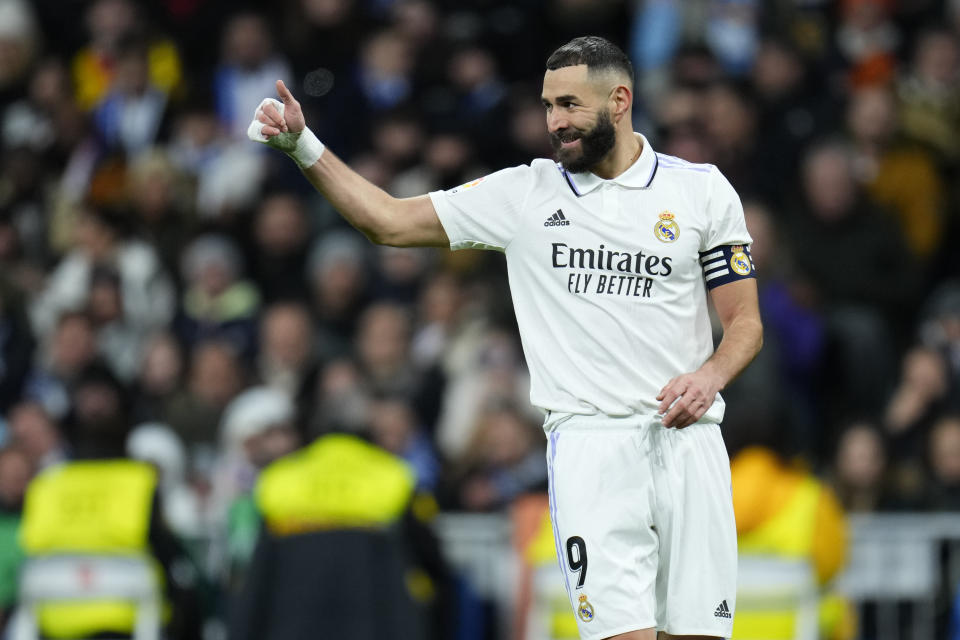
(567, 135)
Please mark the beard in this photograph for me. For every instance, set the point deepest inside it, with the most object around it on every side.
(595, 144)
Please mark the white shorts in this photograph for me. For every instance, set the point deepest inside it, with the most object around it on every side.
(643, 523)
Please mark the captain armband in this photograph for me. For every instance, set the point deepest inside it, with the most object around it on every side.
(726, 263)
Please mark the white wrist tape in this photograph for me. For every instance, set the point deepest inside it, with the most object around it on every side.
(303, 147)
(308, 149)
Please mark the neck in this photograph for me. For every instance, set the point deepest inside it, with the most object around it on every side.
(624, 153)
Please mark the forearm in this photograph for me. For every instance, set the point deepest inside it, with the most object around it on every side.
(360, 202)
(741, 342)
(382, 218)
(398, 222)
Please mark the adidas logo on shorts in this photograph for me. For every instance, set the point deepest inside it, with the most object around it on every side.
(557, 220)
(723, 611)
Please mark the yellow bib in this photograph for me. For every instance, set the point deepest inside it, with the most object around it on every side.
(337, 482)
(95, 507)
(789, 535)
(89, 507)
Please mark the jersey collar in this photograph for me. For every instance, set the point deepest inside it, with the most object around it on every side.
(638, 176)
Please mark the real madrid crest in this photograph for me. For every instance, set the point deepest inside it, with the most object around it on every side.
(585, 609)
(739, 261)
(666, 229)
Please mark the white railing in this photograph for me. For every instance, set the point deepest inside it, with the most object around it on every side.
(901, 568)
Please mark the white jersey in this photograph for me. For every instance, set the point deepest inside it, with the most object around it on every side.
(608, 277)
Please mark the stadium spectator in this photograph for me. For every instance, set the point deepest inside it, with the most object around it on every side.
(183, 507)
(861, 477)
(16, 469)
(327, 30)
(160, 377)
(504, 460)
(920, 396)
(788, 515)
(109, 22)
(864, 273)
(338, 276)
(112, 488)
(929, 94)
(215, 376)
(119, 342)
(217, 302)
(940, 330)
(341, 508)
(20, 42)
(944, 457)
(132, 116)
(16, 345)
(287, 359)
(66, 353)
(395, 427)
(901, 178)
(146, 290)
(383, 349)
(158, 199)
(794, 106)
(483, 369)
(36, 435)
(249, 65)
(258, 427)
(281, 233)
(440, 313)
(867, 39)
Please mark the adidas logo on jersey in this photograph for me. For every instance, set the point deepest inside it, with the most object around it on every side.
(722, 611)
(557, 220)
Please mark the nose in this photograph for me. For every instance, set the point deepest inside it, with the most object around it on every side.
(556, 121)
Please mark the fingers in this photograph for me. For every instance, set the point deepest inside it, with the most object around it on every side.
(685, 412)
(269, 131)
(274, 117)
(683, 401)
(670, 393)
(284, 93)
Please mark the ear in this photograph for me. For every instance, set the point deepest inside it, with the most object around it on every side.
(621, 102)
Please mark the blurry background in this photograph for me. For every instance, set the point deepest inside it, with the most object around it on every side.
(168, 286)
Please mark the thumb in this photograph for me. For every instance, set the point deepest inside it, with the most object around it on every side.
(284, 93)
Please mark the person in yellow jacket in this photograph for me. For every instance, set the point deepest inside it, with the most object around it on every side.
(343, 552)
(784, 513)
(102, 504)
(543, 610)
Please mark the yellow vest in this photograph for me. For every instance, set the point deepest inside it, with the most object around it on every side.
(338, 482)
(787, 535)
(96, 507)
(551, 599)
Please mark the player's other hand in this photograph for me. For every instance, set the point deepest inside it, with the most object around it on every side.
(686, 398)
(278, 123)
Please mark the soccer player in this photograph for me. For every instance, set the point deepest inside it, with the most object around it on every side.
(611, 252)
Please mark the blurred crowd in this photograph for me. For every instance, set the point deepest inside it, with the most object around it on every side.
(172, 292)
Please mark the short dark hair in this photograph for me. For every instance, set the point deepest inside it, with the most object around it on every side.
(595, 52)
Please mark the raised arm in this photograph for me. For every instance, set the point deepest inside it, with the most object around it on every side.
(400, 222)
(738, 308)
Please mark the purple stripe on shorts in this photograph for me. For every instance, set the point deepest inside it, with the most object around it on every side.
(554, 437)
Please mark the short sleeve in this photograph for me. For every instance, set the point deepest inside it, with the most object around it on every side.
(725, 248)
(485, 213)
(725, 223)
